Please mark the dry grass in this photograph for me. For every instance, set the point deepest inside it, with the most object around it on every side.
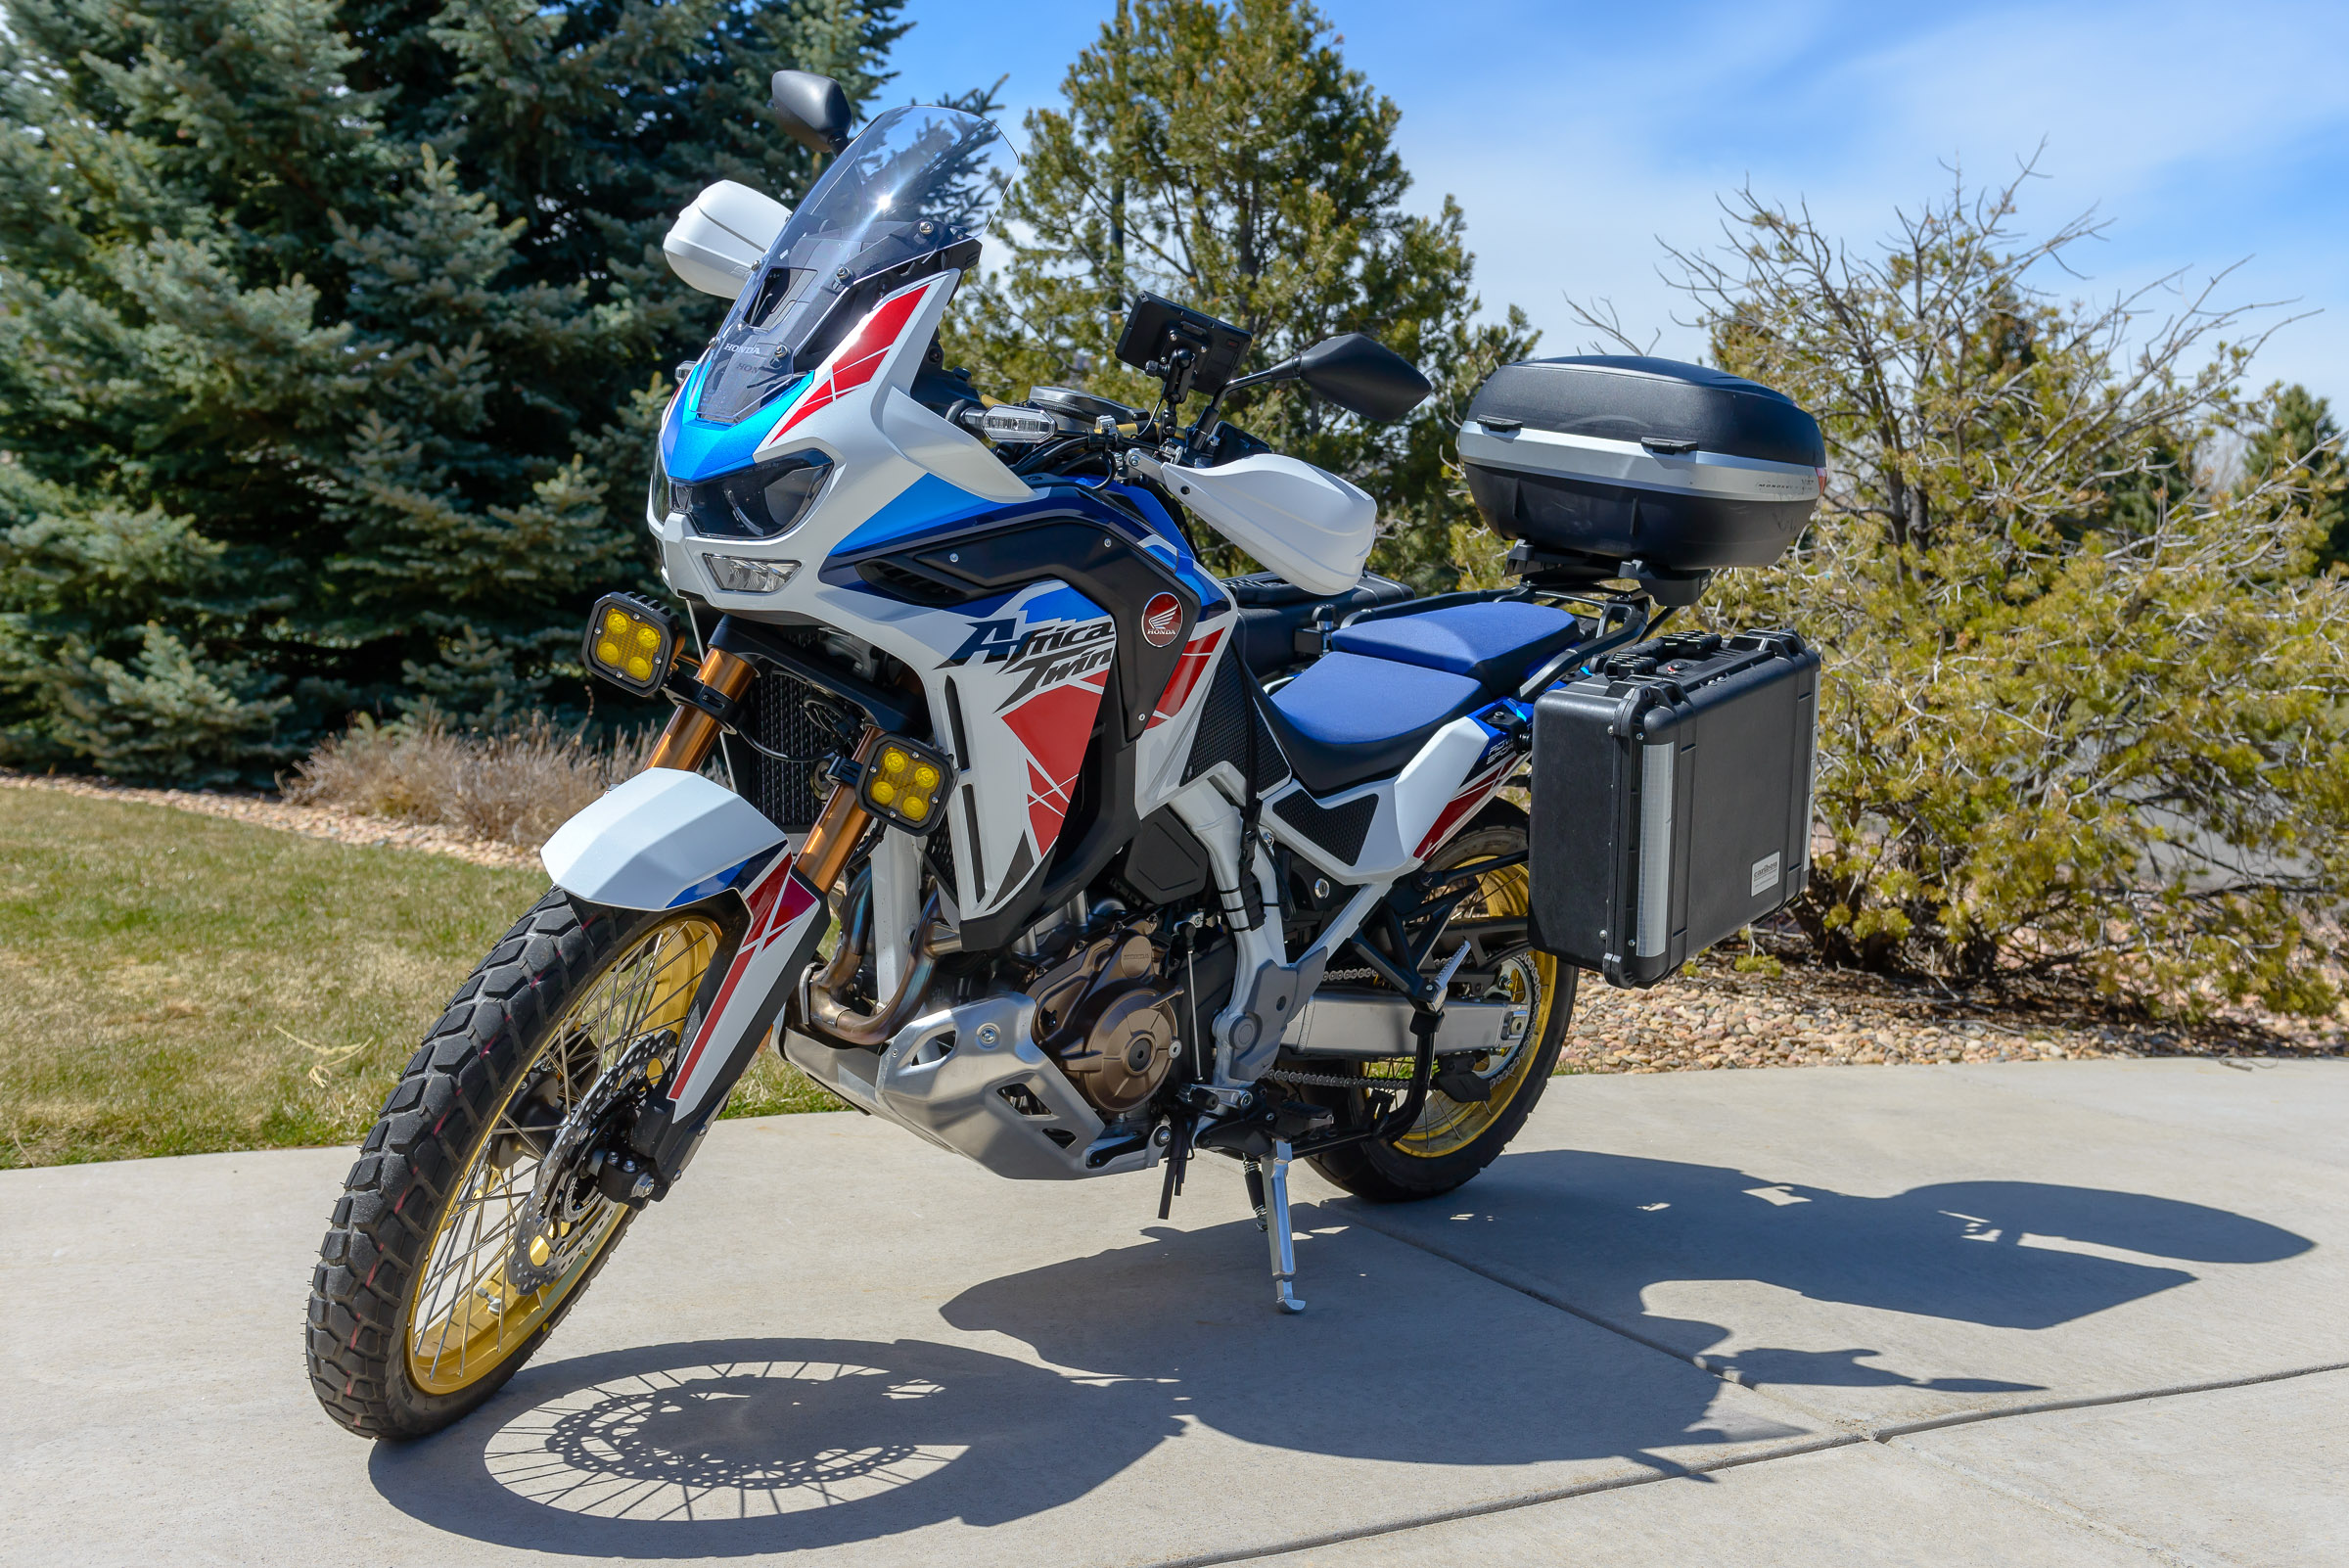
(515, 785)
(175, 983)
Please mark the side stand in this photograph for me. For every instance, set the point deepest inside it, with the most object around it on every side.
(1271, 1201)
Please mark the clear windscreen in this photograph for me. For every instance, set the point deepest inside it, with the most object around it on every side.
(918, 181)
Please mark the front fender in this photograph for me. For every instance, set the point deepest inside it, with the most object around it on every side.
(664, 838)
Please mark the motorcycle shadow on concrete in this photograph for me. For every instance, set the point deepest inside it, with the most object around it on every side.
(720, 1448)
(736, 1448)
(1597, 1231)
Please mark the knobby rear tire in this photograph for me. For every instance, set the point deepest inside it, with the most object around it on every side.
(1392, 1172)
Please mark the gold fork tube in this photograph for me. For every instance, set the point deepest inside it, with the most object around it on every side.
(824, 853)
(690, 733)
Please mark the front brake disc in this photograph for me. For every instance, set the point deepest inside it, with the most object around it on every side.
(555, 1219)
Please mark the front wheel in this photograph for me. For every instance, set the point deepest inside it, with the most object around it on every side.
(1454, 1138)
(463, 1233)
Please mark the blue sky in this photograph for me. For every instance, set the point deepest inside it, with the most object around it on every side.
(1574, 135)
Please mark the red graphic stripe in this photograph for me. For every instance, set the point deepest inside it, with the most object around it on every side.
(777, 901)
(1055, 725)
(857, 361)
(1468, 799)
(1197, 656)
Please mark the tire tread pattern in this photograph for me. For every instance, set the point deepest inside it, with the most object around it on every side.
(393, 1195)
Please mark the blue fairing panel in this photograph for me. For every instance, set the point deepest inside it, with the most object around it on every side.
(1177, 552)
(927, 507)
(693, 448)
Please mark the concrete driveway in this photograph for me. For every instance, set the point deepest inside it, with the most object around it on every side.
(2058, 1313)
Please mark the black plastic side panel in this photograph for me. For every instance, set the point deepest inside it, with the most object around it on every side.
(1339, 829)
(1120, 577)
(1166, 862)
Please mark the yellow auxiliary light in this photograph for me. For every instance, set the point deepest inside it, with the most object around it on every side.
(902, 782)
(631, 642)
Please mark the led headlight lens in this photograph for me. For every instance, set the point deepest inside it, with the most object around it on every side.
(901, 783)
(740, 574)
(631, 642)
(754, 503)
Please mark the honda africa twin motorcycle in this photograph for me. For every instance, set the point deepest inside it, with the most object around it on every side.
(953, 687)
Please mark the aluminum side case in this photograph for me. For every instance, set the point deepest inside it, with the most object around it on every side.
(1672, 796)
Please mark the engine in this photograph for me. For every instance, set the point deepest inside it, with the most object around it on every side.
(1106, 1013)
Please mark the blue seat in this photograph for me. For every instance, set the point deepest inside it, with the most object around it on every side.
(1348, 717)
(1496, 643)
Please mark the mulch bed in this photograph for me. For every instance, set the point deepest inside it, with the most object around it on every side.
(1807, 1016)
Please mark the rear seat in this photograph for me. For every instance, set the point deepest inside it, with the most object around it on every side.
(1496, 644)
(1272, 611)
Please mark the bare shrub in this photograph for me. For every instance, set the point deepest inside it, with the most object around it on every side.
(2082, 705)
(515, 785)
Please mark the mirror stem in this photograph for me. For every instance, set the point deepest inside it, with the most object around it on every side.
(1286, 370)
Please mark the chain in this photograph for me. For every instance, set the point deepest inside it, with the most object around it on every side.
(1333, 1081)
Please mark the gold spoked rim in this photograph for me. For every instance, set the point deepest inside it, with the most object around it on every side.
(464, 1316)
(1529, 979)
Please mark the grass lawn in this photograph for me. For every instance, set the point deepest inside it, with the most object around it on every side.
(177, 984)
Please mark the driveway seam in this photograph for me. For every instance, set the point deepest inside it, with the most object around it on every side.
(1530, 1499)
(2088, 1402)
(2014, 1493)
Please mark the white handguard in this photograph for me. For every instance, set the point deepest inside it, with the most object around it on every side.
(723, 236)
(1309, 526)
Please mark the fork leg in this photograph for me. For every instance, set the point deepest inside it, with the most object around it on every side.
(1276, 1230)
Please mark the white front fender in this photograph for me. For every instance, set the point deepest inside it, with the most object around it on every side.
(663, 838)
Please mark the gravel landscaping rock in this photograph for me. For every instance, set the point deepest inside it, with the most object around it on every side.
(313, 821)
(1811, 1017)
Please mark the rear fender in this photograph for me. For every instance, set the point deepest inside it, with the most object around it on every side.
(663, 839)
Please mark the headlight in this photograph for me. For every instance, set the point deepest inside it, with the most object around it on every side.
(656, 499)
(754, 503)
(630, 642)
(902, 782)
(740, 574)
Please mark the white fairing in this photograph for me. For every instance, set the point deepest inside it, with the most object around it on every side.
(1311, 527)
(717, 241)
(658, 840)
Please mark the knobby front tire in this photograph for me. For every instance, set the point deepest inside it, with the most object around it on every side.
(413, 1321)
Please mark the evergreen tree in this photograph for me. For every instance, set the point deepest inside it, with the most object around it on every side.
(2300, 433)
(331, 342)
(1224, 156)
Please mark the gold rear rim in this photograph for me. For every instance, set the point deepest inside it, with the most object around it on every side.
(1446, 1125)
(465, 1318)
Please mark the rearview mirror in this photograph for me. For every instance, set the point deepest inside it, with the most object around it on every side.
(812, 109)
(1357, 373)
(1362, 376)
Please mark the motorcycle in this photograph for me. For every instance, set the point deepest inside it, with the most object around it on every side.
(1122, 864)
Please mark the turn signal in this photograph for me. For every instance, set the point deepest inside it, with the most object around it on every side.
(901, 783)
(630, 642)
